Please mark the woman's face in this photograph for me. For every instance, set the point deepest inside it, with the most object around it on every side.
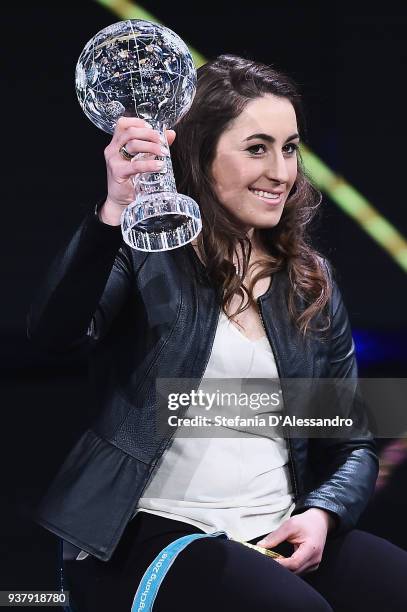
(255, 163)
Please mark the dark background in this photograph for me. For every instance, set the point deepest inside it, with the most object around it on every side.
(350, 64)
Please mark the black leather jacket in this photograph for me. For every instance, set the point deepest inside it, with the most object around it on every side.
(144, 316)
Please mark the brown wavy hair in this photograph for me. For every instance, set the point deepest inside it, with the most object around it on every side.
(225, 86)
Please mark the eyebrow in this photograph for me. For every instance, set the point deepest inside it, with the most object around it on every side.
(269, 138)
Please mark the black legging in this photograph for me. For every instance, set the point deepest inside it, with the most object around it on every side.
(359, 571)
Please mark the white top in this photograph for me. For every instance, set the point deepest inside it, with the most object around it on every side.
(240, 485)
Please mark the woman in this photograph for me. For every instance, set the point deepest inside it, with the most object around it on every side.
(250, 285)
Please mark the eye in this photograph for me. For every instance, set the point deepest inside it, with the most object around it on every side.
(294, 146)
(254, 149)
(290, 148)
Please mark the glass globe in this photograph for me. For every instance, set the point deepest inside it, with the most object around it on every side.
(137, 68)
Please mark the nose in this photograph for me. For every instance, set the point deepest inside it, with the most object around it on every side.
(277, 168)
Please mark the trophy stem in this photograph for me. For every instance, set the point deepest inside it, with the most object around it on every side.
(163, 180)
(160, 218)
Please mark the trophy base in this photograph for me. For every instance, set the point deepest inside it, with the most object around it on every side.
(160, 221)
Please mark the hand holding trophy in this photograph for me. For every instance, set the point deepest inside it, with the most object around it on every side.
(137, 68)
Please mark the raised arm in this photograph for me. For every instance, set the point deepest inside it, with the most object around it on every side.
(90, 279)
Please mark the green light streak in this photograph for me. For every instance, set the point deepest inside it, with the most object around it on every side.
(349, 200)
(356, 206)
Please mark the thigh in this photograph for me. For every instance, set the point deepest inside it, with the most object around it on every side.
(111, 585)
(219, 574)
(213, 574)
(361, 571)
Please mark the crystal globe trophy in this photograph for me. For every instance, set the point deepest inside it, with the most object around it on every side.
(136, 68)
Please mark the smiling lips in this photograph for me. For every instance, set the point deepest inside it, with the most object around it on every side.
(275, 196)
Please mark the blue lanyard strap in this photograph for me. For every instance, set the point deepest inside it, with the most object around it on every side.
(155, 573)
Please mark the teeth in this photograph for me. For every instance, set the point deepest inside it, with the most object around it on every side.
(265, 194)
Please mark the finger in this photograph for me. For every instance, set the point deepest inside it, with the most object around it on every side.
(138, 167)
(124, 123)
(142, 146)
(142, 133)
(303, 569)
(312, 568)
(293, 567)
(301, 558)
(275, 537)
(171, 135)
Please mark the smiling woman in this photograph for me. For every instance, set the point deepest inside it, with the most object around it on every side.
(128, 488)
(253, 181)
(237, 154)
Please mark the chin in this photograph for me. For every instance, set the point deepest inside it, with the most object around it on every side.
(272, 221)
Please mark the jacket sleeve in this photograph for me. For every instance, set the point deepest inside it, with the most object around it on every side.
(347, 467)
(84, 289)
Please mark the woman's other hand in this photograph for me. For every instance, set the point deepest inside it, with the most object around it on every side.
(307, 532)
(137, 137)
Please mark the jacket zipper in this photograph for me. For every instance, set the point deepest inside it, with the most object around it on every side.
(290, 454)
